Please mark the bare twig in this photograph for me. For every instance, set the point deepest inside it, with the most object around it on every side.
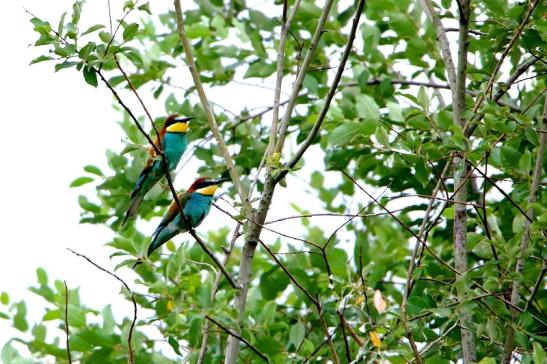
(67, 329)
(131, 358)
(238, 337)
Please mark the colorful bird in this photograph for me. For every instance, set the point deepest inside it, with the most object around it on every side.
(172, 140)
(195, 202)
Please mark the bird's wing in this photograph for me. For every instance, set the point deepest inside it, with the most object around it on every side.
(173, 210)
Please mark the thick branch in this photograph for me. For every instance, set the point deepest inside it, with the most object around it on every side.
(428, 9)
(460, 184)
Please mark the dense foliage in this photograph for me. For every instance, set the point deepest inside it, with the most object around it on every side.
(390, 128)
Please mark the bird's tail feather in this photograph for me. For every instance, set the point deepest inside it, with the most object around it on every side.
(132, 208)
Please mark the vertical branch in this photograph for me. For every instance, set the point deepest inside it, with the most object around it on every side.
(67, 329)
(208, 112)
(515, 294)
(300, 76)
(443, 41)
(460, 184)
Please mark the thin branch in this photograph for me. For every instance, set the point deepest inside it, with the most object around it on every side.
(537, 285)
(390, 213)
(531, 7)
(238, 337)
(330, 214)
(513, 78)
(289, 274)
(332, 91)
(67, 329)
(240, 189)
(131, 358)
(534, 188)
(213, 257)
(471, 31)
(352, 332)
(132, 87)
(301, 74)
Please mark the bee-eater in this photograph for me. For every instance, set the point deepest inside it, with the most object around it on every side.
(195, 202)
(172, 139)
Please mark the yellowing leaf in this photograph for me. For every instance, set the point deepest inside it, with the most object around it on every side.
(375, 339)
(359, 300)
(379, 302)
(170, 305)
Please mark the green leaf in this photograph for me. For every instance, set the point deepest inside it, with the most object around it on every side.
(93, 169)
(345, 133)
(90, 76)
(539, 353)
(297, 334)
(497, 7)
(422, 173)
(4, 298)
(367, 108)
(174, 344)
(273, 282)
(105, 36)
(268, 345)
(41, 59)
(423, 99)
(198, 30)
(130, 31)
(65, 64)
(92, 29)
(42, 276)
(80, 181)
(260, 69)
(395, 112)
(338, 261)
(19, 320)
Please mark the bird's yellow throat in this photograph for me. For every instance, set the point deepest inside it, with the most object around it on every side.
(208, 191)
(178, 128)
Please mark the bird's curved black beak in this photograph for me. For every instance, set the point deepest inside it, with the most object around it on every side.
(184, 120)
(220, 180)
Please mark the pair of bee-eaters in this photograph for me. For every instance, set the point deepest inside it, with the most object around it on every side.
(195, 202)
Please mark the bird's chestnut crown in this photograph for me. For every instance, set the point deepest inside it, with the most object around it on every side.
(177, 124)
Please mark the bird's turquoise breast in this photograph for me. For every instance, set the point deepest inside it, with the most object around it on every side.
(174, 145)
(197, 207)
